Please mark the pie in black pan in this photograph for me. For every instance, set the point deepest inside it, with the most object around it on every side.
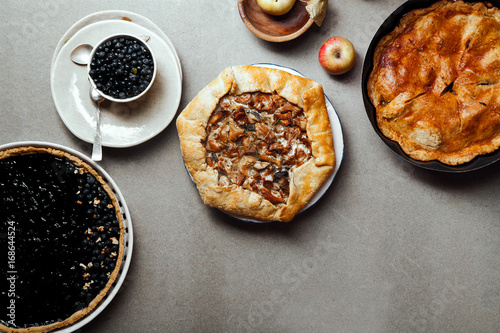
(434, 82)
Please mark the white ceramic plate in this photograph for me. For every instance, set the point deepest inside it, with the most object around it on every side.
(122, 124)
(338, 143)
(127, 224)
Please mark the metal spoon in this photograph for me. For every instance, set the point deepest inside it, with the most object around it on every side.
(81, 54)
(97, 147)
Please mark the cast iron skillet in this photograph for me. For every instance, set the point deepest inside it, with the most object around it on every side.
(389, 24)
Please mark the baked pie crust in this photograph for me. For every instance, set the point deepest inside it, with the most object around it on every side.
(257, 142)
(435, 82)
(63, 181)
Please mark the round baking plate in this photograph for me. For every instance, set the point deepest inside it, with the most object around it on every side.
(127, 224)
(389, 24)
(338, 143)
(122, 124)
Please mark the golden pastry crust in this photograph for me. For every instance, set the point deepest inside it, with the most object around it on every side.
(86, 168)
(434, 82)
(304, 180)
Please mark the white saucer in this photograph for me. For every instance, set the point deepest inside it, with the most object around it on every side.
(122, 124)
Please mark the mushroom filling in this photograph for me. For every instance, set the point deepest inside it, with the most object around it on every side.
(254, 139)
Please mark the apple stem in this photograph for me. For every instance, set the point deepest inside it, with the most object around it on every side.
(337, 55)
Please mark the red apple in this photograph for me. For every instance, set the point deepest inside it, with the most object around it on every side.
(337, 55)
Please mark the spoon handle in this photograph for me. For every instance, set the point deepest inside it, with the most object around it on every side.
(97, 147)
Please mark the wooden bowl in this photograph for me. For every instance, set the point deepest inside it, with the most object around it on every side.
(275, 28)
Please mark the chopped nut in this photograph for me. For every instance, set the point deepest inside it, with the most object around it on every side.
(114, 240)
(87, 285)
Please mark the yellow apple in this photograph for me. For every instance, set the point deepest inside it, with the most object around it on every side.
(276, 7)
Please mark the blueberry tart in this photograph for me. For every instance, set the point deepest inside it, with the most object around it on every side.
(258, 142)
(435, 82)
(61, 239)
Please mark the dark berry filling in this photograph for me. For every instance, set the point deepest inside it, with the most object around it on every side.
(59, 224)
(122, 67)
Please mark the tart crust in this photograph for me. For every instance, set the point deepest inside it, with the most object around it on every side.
(304, 180)
(435, 81)
(81, 164)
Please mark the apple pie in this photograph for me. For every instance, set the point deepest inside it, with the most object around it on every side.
(435, 82)
(61, 239)
(257, 142)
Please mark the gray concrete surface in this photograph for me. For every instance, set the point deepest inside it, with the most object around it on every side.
(389, 248)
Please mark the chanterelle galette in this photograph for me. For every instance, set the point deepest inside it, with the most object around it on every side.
(258, 142)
